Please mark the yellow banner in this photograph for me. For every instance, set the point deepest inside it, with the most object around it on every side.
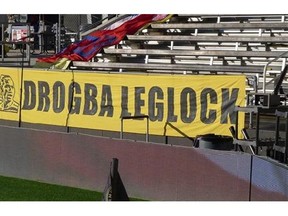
(10, 84)
(177, 105)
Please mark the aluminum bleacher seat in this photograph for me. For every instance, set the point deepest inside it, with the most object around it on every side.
(189, 43)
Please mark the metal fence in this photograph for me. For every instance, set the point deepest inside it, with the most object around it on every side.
(51, 33)
(15, 36)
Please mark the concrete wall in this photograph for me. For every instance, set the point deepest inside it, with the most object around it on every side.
(148, 170)
(271, 177)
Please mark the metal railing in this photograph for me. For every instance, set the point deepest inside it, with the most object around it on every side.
(136, 117)
(265, 69)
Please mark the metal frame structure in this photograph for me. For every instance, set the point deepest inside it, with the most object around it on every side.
(136, 117)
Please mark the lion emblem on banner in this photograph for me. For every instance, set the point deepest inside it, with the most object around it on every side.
(7, 93)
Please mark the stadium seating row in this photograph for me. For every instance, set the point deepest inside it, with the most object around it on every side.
(202, 44)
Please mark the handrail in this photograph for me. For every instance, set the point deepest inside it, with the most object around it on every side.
(136, 117)
(280, 80)
(266, 66)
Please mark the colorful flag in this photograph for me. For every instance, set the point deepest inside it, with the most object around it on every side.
(91, 44)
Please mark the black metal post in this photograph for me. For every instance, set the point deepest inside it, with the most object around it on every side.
(257, 131)
(250, 180)
(276, 134)
(236, 129)
(21, 86)
(114, 179)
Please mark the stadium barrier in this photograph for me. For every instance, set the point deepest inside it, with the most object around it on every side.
(148, 170)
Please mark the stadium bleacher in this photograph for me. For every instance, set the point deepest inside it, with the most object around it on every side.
(253, 45)
(190, 44)
(193, 44)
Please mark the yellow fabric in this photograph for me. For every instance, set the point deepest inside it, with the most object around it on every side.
(176, 104)
(62, 64)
